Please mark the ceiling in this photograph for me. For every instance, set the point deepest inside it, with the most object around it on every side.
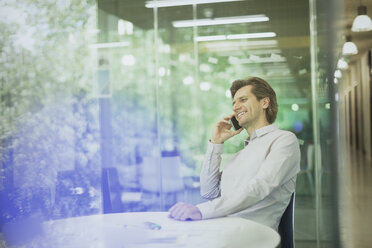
(288, 15)
(289, 19)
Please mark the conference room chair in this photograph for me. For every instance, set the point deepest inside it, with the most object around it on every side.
(111, 191)
(309, 166)
(286, 224)
(162, 175)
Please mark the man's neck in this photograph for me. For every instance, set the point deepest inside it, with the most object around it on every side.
(251, 128)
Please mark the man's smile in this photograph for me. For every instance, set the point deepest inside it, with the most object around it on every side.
(240, 114)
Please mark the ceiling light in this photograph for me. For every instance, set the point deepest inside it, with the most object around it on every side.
(302, 71)
(188, 80)
(253, 59)
(251, 35)
(110, 44)
(349, 47)
(338, 74)
(238, 45)
(210, 38)
(295, 107)
(362, 22)
(208, 12)
(263, 60)
(233, 60)
(220, 21)
(342, 64)
(125, 27)
(205, 68)
(162, 71)
(171, 3)
(266, 51)
(128, 60)
(212, 60)
(205, 86)
(228, 94)
(235, 36)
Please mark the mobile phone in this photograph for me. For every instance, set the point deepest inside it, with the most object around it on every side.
(235, 123)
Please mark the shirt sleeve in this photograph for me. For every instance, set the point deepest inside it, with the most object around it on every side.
(280, 165)
(210, 174)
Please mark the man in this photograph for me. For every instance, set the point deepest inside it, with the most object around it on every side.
(258, 181)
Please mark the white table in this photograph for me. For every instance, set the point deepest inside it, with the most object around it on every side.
(128, 230)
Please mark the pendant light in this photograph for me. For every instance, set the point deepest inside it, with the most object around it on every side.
(362, 22)
(338, 74)
(349, 47)
(342, 64)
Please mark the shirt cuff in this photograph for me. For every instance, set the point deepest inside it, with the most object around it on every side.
(207, 210)
(214, 148)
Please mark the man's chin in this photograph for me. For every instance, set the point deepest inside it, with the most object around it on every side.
(243, 122)
(244, 125)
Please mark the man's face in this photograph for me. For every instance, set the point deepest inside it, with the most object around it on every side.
(248, 110)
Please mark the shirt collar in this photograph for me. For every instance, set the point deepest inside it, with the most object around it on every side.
(260, 132)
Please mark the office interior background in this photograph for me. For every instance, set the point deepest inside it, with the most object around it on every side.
(106, 106)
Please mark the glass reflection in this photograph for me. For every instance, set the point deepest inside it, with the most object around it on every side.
(107, 107)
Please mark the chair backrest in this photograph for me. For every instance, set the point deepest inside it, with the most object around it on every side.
(285, 228)
(164, 170)
(310, 157)
(111, 191)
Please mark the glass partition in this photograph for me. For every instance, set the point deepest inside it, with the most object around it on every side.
(49, 121)
(107, 106)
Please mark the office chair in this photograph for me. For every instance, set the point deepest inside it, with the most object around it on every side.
(285, 228)
(161, 173)
(308, 169)
(111, 191)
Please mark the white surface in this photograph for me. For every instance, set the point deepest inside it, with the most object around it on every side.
(129, 230)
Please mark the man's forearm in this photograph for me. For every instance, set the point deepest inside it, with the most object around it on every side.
(210, 175)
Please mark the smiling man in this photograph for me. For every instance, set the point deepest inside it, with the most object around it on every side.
(258, 181)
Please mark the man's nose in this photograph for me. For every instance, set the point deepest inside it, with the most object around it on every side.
(236, 107)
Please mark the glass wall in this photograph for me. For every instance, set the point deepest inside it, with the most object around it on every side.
(107, 106)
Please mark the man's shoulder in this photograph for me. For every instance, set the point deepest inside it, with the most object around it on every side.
(285, 134)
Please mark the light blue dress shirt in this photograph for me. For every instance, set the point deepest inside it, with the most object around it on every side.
(257, 182)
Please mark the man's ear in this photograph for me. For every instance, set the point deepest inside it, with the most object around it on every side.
(265, 102)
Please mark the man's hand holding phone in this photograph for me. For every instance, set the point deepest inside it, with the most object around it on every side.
(222, 130)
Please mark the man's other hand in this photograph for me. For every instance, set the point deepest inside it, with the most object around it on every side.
(184, 211)
(222, 130)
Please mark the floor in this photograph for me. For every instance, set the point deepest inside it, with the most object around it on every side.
(356, 200)
(354, 207)
(306, 228)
